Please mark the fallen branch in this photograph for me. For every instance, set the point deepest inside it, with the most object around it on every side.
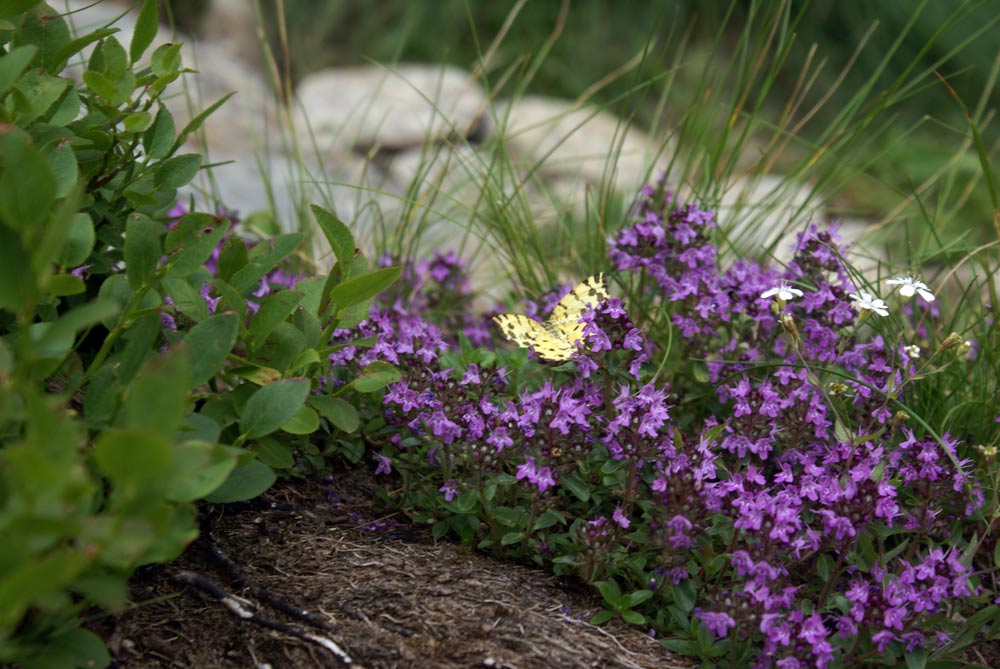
(244, 609)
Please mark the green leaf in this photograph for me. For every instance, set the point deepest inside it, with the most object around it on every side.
(79, 44)
(25, 171)
(357, 290)
(511, 538)
(256, 374)
(274, 453)
(308, 357)
(209, 342)
(62, 161)
(602, 617)
(610, 592)
(17, 281)
(305, 421)
(13, 64)
(59, 335)
(342, 415)
(177, 171)
(79, 242)
(145, 29)
(572, 483)
(196, 122)
(11, 7)
(185, 298)
(142, 249)
(77, 648)
(232, 258)
(273, 310)
(100, 84)
(43, 27)
(271, 406)
(375, 376)
(158, 139)
(166, 61)
(61, 285)
(133, 459)
(196, 245)
(199, 468)
(633, 617)
(337, 234)
(158, 397)
(137, 122)
(244, 483)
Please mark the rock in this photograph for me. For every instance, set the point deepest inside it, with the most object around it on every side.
(585, 145)
(369, 107)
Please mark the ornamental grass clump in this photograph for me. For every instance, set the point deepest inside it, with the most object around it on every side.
(728, 455)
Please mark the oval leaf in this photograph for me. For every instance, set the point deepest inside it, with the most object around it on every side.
(272, 406)
(209, 343)
(244, 483)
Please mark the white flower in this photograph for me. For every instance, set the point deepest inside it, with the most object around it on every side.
(868, 302)
(908, 286)
(784, 292)
(912, 351)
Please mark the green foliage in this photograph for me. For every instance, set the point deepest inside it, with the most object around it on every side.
(126, 393)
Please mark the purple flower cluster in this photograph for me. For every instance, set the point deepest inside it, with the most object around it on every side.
(782, 481)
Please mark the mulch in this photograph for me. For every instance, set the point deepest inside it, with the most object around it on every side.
(377, 590)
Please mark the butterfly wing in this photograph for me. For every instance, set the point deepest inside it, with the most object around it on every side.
(527, 333)
(565, 317)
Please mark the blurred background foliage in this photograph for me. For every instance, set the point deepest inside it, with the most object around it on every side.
(581, 48)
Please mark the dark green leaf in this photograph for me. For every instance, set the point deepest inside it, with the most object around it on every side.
(158, 139)
(282, 347)
(185, 298)
(342, 415)
(365, 287)
(63, 163)
(375, 376)
(244, 483)
(100, 84)
(158, 397)
(575, 486)
(134, 460)
(11, 7)
(13, 64)
(61, 285)
(43, 27)
(145, 29)
(337, 235)
(274, 453)
(232, 258)
(271, 406)
(196, 247)
(25, 171)
(275, 309)
(142, 249)
(77, 647)
(177, 171)
(17, 281)
(199, 468)
(305, 421)
(79, 242)
(209, 342)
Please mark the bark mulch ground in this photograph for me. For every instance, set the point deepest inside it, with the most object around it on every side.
(384, 597)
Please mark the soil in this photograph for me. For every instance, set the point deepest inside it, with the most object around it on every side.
(378, 590)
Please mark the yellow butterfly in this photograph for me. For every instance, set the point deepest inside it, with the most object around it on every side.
(557, 338)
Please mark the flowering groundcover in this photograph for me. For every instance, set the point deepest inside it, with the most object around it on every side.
(728, 457)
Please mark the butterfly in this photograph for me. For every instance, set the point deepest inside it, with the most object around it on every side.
(557, 338)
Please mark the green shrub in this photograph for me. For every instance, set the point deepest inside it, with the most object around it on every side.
(114, 419)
